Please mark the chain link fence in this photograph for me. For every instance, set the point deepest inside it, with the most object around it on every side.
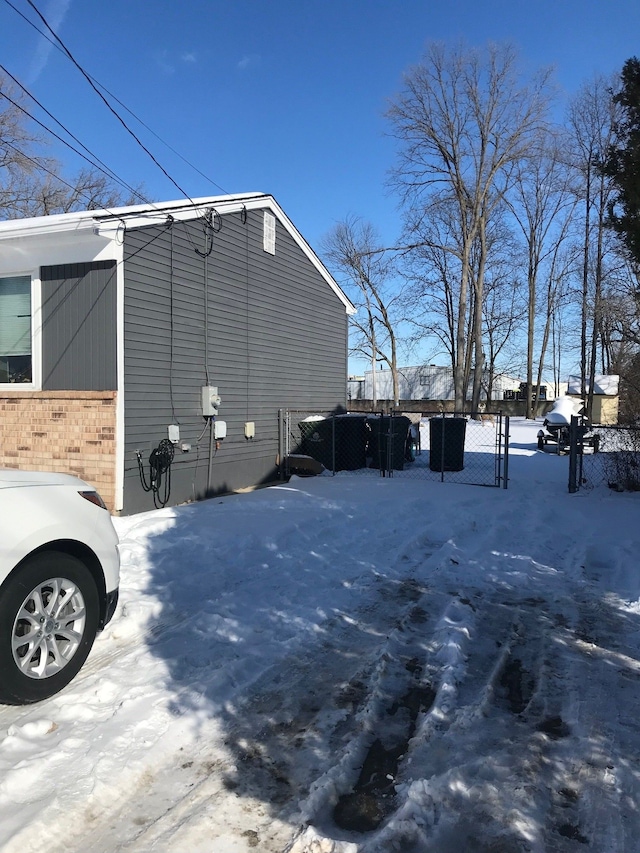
(428, 445)
(611, 459)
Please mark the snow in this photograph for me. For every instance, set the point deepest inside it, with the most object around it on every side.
(483, 643)
(563, 410)
(602, 384)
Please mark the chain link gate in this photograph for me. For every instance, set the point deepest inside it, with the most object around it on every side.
(427, 445)
(611, 458)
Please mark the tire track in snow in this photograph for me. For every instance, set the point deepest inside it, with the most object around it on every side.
(509, 757)
(273, 732)
(516, 703)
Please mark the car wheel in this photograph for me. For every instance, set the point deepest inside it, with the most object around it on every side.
(49, 611)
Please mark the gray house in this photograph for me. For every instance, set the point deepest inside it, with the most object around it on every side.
(149, 349)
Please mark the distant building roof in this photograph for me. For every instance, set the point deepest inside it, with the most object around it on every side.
(427, 382)
(606, 384)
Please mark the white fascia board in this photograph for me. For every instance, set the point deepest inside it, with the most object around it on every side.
(143, 215)
(270, 202)
(86, 220)
(108, 225)
(44, 225)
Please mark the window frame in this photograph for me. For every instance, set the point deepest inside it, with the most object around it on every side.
(36, 349)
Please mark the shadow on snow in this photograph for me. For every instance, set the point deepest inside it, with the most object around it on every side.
(321, 661)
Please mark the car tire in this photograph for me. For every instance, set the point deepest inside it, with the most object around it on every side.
(51, 602)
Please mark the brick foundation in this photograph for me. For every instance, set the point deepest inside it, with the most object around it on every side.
(72, 432)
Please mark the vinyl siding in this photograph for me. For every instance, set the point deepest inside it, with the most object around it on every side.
(79, 327)
(277, 338)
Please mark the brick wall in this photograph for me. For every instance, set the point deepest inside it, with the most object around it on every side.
(72, 432)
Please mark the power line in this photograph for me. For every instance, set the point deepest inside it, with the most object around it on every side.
(39, 165)
(106, 102)
(100, 165)
(118, 101)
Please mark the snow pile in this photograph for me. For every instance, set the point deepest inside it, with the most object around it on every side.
(352, 664)
(563, 410)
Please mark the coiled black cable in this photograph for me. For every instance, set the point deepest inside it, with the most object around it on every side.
(160, 460)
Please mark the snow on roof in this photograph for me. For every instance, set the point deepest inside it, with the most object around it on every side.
(606, 384)
(71, 221)
(107, 222)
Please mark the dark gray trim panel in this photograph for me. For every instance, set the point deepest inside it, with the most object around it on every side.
(79, 327)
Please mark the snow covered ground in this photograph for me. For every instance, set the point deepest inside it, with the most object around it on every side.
(353, 664)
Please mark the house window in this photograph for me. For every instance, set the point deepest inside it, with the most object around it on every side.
(15, 329)
(269, 242)
(424, 379)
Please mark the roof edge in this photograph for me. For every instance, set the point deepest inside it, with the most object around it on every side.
(107, 223)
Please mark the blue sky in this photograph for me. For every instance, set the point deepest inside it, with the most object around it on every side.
(285, 97)
(281, 97)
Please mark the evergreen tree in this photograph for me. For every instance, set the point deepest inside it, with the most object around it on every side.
(622, 161)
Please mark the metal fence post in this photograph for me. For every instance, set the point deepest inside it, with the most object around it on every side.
(573, 454)
(333, 444)
(281, 453)
(382, 465)
(506, 451)
(442, 450)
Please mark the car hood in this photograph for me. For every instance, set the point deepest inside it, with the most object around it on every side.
(11, 479)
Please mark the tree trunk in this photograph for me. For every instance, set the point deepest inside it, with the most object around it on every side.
(585, 285)
(374, 395)
(460, 392)
(477, 315)
(597, 299)
(531, 321)
(394, 373)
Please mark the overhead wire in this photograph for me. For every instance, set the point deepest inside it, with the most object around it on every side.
(174, 417)
(97, 163)
(211, 219)
(39, 165)
(106, 102)
(118, 101)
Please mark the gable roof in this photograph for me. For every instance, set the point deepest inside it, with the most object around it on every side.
(606, 384)
(109, 222)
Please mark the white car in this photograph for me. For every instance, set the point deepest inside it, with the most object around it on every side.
(59, 576)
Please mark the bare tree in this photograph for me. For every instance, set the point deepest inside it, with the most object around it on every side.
(353, 250)
(464, 120)
(542, 204)
(19, 164)
(619, 329)
(432, 292)
(592, 116)
(32, 184)
(432, 271)
(502, 316)
(87, 190)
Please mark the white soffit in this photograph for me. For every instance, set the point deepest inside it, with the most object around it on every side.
(108, 224)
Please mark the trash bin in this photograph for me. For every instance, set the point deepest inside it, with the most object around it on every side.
(316, 440)
(350, 435)
(446, 443)
(351, 442)
(388, 441)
